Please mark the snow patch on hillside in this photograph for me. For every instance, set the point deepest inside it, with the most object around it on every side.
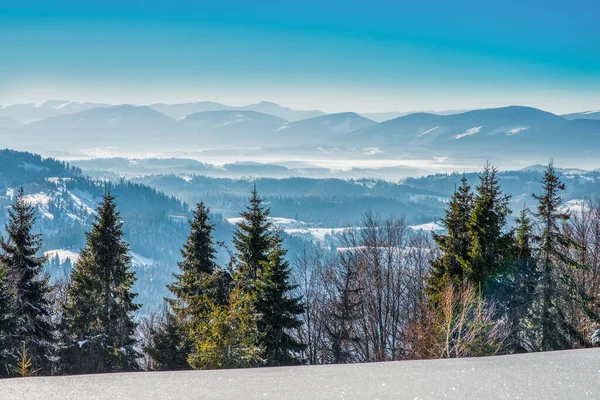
(278, 222)
(430, 226)
(84, 199)
(37, 199)
(469, 132)
(63, 254)
(514, 131)
(427, 131)
(574, 206)
(137, 260)
(316, 234)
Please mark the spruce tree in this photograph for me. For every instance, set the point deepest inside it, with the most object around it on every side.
(227, 335)
(28, 284)
(557, 291)
(520, 284)
(253, 239)
(167, 348)
(98, 314)
(199, 259)
(489, 250)
(190, 288)
(455, 244)
(279, 311)
(8, 355)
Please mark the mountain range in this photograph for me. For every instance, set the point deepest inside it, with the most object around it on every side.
(502, 132)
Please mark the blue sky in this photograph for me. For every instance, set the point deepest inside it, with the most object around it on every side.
(365, 56)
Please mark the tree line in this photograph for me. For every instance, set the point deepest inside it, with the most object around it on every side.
(386, 293)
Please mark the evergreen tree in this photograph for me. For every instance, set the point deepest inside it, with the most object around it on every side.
(29, 285)
(7, 327)
(279, 311)
(490, 246)
(167, 348)
(98, 314)
(520, 284)
(455, 244)
(199, 257)
(557, 291)
(190, 287)
(226, 335)
(253, 239)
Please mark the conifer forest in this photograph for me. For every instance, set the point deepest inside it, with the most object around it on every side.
(480, 287)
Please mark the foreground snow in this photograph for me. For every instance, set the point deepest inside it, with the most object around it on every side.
(553, 375)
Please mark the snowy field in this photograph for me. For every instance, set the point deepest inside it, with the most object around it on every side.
(571, 374)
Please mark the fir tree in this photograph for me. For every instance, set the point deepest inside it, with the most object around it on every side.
(490, 246)
(279, 311)
(199, 257)
(28, 284)
(557, 292)
(190, 289)
(226, 335)
(167, 348)
(455, 244)
(520, 284)
(7, 327)
(98, 314)
(253, 239)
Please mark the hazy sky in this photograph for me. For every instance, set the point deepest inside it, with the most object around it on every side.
(366, 56)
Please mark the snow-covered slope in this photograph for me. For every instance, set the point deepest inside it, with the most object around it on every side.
(544, 376)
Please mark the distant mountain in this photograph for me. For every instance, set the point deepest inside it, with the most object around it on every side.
(320, 129)
(386, 116)
(508, 131)
(104, 126)
(10, 123)
(26, 113)
(236, 126)
(181, 110)
(584, 115)
(283, 112)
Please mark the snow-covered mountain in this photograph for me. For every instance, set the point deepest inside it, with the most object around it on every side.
(584, 115)
(283, 112)
(30, 112)
(386, 116)
(237, 125)
(10, 123)
(324, 128)
(499, 131)
(264, 107)
(123, 125)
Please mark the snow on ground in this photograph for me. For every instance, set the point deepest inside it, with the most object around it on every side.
(37, 199)
(63, 254)
(469, 132)
(539, 376)
(84, 199)
(430, 226)
(317, 234)
(514, 131)
(278, 222)
(138, 260)
(574, 206)
(427, 131)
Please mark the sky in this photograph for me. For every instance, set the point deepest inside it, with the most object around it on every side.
(363, 56)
